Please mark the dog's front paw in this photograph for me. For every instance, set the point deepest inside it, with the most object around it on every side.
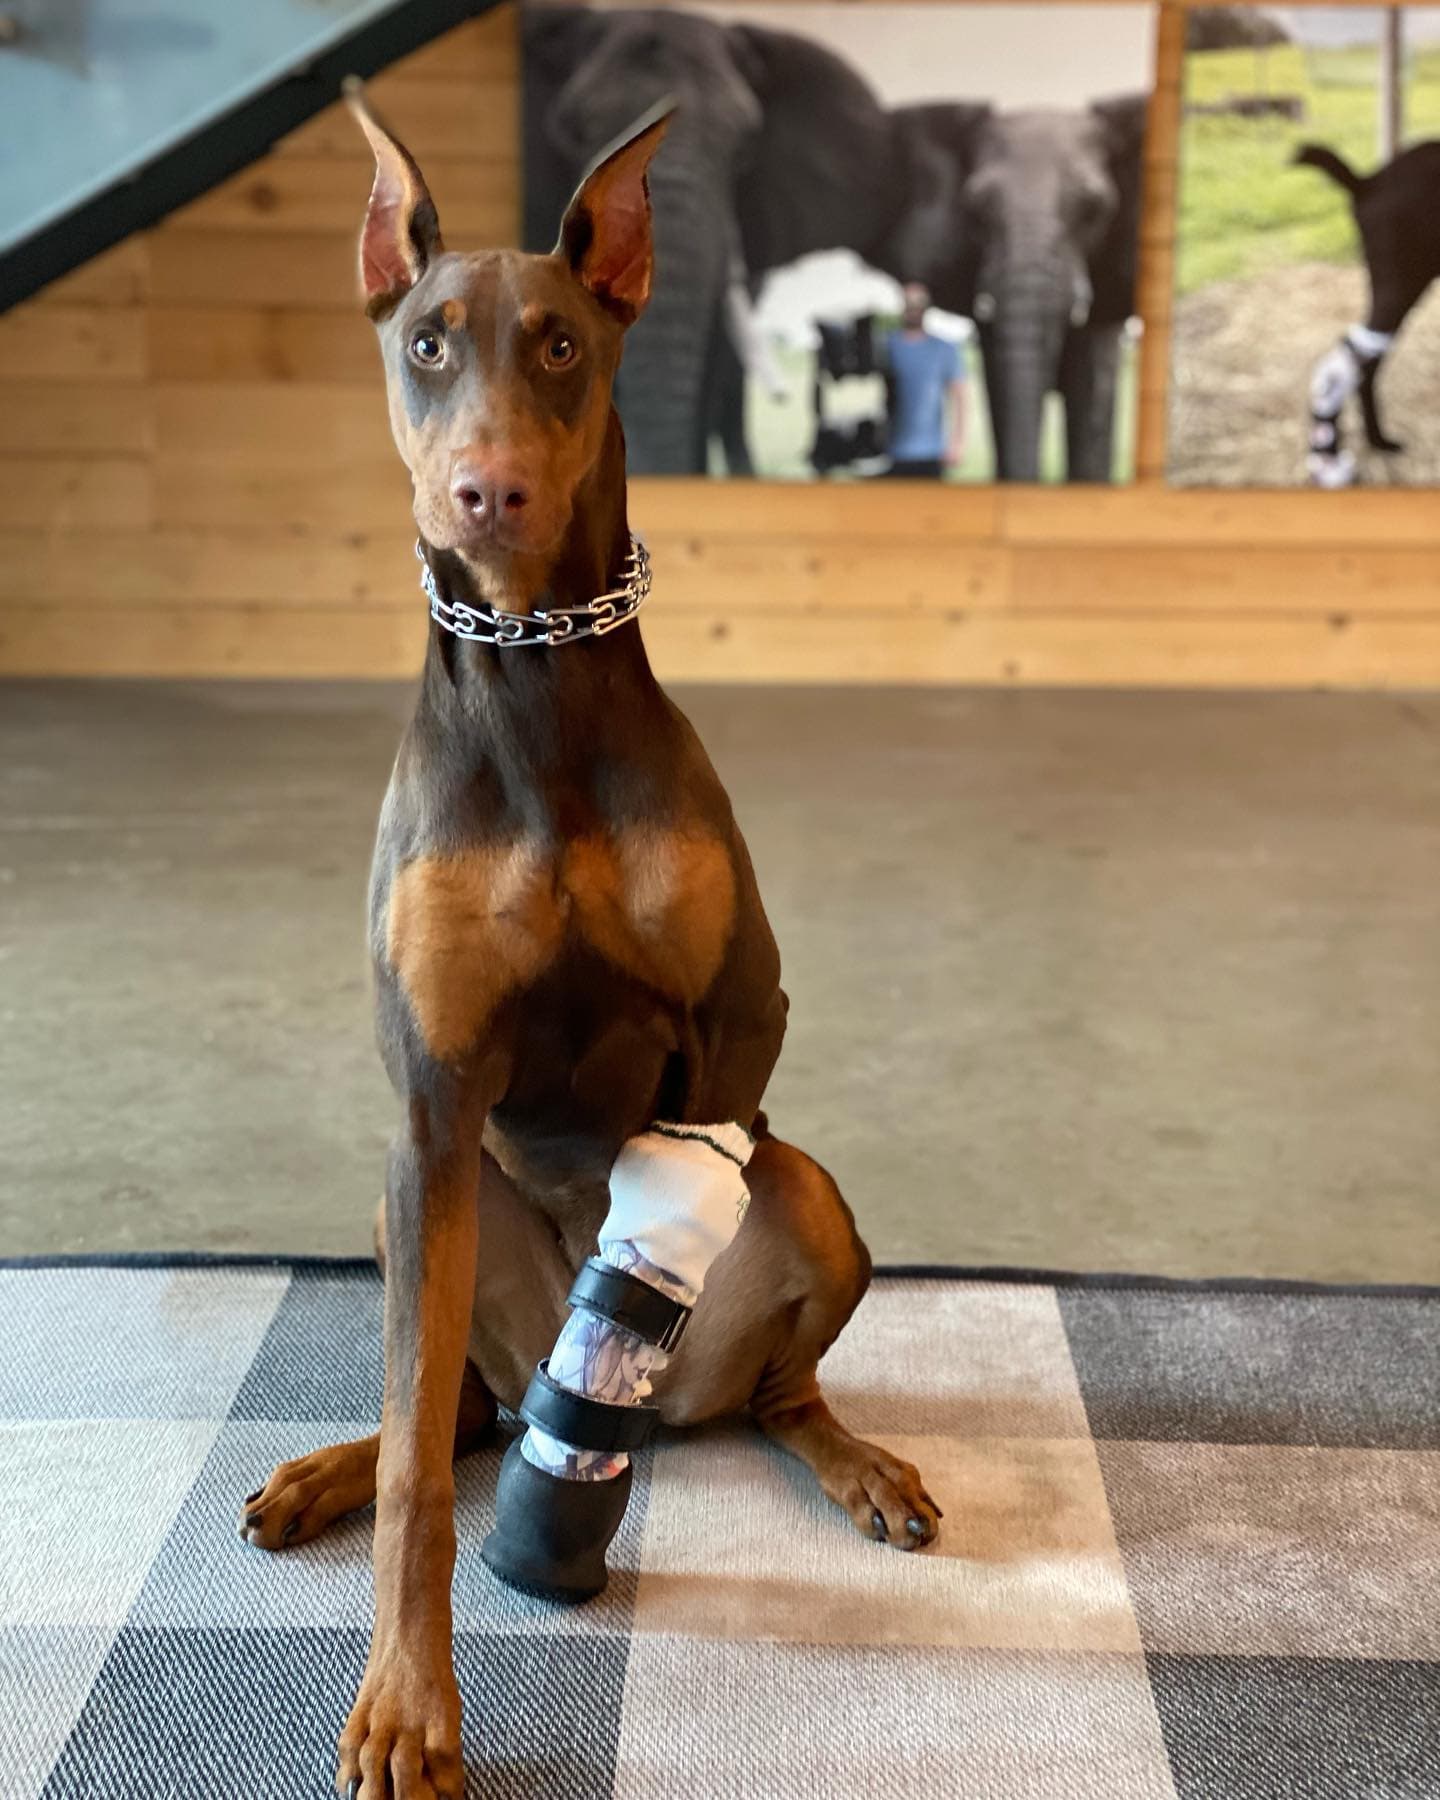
(402, 1741)
(885, 1498)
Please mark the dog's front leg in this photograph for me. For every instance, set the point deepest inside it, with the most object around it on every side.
(403, 1736)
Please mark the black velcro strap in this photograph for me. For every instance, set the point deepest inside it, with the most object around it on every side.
(624, 1299)
(576, 1419)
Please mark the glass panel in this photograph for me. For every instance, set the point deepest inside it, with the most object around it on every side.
(91, 90)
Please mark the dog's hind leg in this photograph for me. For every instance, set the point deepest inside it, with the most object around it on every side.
(781, 1296)
(310, 1492)
(1375, 433)
(883, 1495)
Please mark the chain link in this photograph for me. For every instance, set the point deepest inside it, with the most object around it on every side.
(561, 625)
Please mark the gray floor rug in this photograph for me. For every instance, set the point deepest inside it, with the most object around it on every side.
(1191, 1549)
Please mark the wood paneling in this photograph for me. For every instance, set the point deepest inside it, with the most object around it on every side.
(86, 497)
(78, 343)
(1172, 649)
(434, 118)
(305, 195)
(194, 449)
(257, 344)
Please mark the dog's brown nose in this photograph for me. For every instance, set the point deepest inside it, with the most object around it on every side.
(487, 492)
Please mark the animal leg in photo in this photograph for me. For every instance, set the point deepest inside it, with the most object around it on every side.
(1346, 368)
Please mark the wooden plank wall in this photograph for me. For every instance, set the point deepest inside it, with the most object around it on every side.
(196, 478)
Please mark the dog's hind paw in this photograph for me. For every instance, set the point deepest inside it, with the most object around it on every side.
(885, 1498)
(305, 1495)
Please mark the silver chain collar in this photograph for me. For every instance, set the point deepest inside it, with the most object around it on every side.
(560, 625)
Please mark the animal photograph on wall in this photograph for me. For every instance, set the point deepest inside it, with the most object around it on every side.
(891, 240)
(1306, 334)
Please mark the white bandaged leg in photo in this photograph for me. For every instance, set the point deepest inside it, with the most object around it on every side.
(677, 1198)
(1336, 376)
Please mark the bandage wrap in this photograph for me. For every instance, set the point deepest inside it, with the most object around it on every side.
(1333, 380)
(677, 1198)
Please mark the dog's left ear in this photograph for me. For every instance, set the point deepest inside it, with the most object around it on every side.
(606, 235)
(401, 234)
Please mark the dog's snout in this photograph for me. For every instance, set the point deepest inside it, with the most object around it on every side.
(486, 492)
(470, 497)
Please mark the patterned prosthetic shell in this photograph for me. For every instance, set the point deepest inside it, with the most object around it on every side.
(677, 1198)
(1337, 375)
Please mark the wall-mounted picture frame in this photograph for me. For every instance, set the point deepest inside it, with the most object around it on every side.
(892, 240)
(1305, 346)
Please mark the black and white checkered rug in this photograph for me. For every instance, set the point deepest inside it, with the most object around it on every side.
(1191, 1550)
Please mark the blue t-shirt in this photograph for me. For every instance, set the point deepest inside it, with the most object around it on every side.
(922, 368)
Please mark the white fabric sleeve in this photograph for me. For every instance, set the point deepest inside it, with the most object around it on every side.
(678, 1195)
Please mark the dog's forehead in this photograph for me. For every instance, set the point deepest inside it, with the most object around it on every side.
(486, 290)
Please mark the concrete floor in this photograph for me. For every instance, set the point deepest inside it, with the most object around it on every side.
(1140, 981)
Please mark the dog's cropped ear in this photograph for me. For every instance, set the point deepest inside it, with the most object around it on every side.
(401, 233)
(606, 235)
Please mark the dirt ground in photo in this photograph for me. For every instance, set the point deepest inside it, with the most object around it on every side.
(1242, 352)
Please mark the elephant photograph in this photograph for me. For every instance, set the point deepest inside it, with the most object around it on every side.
(891, 240)
(1305, 347)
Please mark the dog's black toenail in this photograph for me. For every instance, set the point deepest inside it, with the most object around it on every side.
(915, 1527)
(250, 1499)
(289, 1531)
(252, 1518)
(877, 1525)
(352, 1790)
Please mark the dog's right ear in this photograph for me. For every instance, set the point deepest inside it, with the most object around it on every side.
(606, 235)
(401, 233)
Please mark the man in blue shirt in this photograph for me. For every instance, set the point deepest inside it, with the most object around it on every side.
(926, 380)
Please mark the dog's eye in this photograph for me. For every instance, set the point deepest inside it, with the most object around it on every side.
(560, 350)
(426, 348)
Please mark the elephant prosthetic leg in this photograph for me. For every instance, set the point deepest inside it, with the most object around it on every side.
(677, 1197)
(1349, 367)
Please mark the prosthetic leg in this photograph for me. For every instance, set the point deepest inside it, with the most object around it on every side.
(677, 1197)
(1350, 365)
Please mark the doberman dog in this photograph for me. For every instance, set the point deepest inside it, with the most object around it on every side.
(1399, 224)
(567, 942)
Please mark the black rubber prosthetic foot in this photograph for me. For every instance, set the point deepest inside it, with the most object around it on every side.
(551, 1534)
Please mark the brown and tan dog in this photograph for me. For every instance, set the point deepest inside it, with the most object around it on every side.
(568, 944)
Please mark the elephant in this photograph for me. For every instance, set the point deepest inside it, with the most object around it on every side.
(1042, 256)
(1026, 222)
(777, 148)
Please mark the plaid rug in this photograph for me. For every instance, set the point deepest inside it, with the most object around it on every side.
(1191, 1548)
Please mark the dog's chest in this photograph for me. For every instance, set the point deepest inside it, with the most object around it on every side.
(464, 931)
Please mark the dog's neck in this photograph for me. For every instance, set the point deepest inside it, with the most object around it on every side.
(546, 706)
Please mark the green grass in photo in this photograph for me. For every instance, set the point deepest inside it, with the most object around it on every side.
(1243, 208)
